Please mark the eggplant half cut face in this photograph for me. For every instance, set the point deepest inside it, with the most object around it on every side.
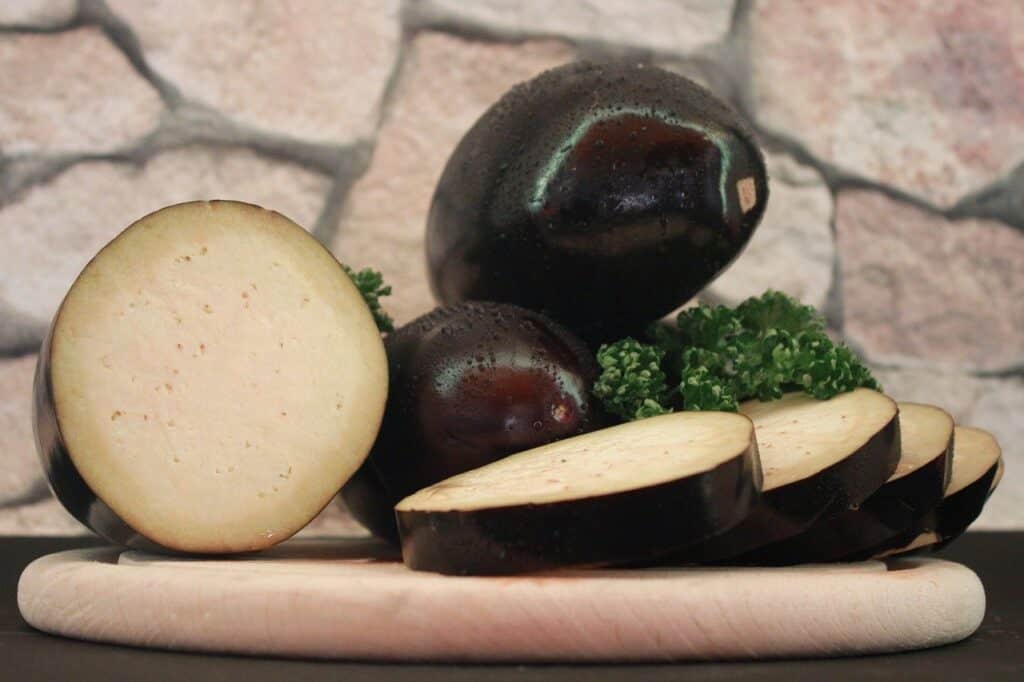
(209, 383)
(629, 492)
(926, 454)
(819, 458)
(976, 472)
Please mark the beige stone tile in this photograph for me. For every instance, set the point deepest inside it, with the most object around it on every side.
(46, 517)
(36, 13)
(315, 71)
(917, 287)
(19, 465)
(675, 26)
(925, 96)
(71, 92)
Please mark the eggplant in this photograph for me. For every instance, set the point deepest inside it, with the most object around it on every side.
(819, 457)
(470, 384)
(953, 519)
(209, 382)
(976, 471)
(627, 492)
(604, 195)
(926, 455)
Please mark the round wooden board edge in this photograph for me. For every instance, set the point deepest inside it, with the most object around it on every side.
(596, 616)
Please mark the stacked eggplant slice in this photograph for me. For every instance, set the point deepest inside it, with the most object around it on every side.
(914, 489)
(795, 480)
(977, 467)
(621, 493)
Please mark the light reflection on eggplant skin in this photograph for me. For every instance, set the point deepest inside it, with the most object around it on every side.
(501, 405)
(603, 195)
(645, 130)
(459, 371)
(668, 180)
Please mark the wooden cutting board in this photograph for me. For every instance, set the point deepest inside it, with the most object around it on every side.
(350, 598)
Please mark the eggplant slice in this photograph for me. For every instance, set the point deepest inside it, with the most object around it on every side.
(210, 381)
(624, 493)
(977, 470)
(819, 458)
(926, 435)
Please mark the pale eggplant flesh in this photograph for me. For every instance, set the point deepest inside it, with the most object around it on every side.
(820, 458)
(926, 434)
(624, 493)
(66, 483)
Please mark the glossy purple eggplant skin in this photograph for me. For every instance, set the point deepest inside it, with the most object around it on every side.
(469, 384)
(604, 195)
(949, 519)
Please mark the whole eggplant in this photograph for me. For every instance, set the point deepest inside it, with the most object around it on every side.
(604, 195)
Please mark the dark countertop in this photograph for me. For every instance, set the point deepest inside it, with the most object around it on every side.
(995, 652)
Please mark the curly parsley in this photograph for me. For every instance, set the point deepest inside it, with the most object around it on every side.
(715, 357)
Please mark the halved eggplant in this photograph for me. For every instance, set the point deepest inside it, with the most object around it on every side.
(819, 458)
(926, 434)
(209, 383)
(623, 493)
(976, 471)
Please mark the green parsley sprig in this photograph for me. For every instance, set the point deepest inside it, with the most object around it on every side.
(715, 357)
(371, 285)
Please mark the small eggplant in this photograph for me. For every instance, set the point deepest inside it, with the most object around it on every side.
(470, 384)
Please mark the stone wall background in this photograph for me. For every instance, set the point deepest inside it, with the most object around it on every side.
(895, 133)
